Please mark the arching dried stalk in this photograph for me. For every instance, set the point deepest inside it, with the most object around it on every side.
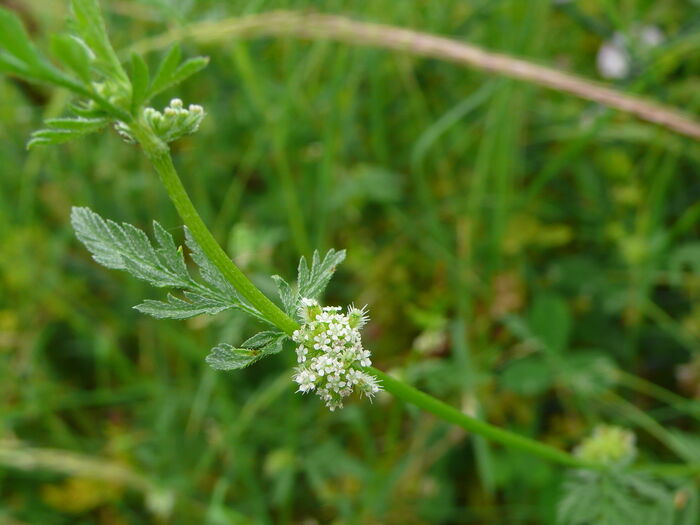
(342, 29)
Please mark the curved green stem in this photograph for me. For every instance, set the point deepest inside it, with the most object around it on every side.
(447, 413)
(159, 155)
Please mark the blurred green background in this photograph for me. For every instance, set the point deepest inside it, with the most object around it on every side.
(528, 256)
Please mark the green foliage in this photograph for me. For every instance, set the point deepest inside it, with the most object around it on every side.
(528, 376)
(19, 56)
(172, 71)
(311, 281)
(613, 498)
(550, 322)
(75, 55)
(140, 80)
(263, 344)
(61, 130)
(107, 93)
(90, 26)
(125, 247)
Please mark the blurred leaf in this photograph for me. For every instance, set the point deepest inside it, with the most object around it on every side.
(529, 376)
(686, 445)
(550, 321)
(684, 258)
(169, 73)
(15, 41)
(365, 184)
(521, 329)
(313, 281)
(588, 373)
(690, 510)
(593, 498)
(91, 27)
(165, 70)
(74, 53)
(19, 56)
(64, 129)
(139, 82)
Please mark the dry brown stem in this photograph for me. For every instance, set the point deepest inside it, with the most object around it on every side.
(341, 29)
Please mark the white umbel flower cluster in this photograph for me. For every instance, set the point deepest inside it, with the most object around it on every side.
(330, 353)
(174, 122)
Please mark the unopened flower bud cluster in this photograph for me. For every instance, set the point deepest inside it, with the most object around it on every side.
(174, 122)
(330, 353)
(609, 445)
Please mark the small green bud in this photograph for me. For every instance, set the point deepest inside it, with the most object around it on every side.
(174, 122)
(357, 317)
(609, 445)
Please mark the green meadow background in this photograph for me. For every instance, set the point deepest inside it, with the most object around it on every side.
(528, 256)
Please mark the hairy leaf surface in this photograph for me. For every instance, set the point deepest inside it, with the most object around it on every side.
(313, 281)
(125, 247)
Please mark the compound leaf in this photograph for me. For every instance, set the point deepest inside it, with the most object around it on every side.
(208, 271)
(165, 70)
(64, 129)
(269, 341)
(171, 72)
(15, 41)
(226, 357)
(313, 281)
(176, 308)
(262, 344)
(612, 497)
(289, 297)
(74, 53)
(125, 247)
(91, 26)
(139, 82)
(170, 255)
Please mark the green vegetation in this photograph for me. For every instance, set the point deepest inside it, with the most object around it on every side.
(527, 257)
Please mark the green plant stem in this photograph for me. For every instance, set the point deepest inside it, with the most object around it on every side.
(447, 413)
(159, 155)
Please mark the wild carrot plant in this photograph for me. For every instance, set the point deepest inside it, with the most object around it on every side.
(604, 485)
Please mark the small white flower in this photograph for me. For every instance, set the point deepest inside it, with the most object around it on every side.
(306, 380)
(330, 353)
(613, 60)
